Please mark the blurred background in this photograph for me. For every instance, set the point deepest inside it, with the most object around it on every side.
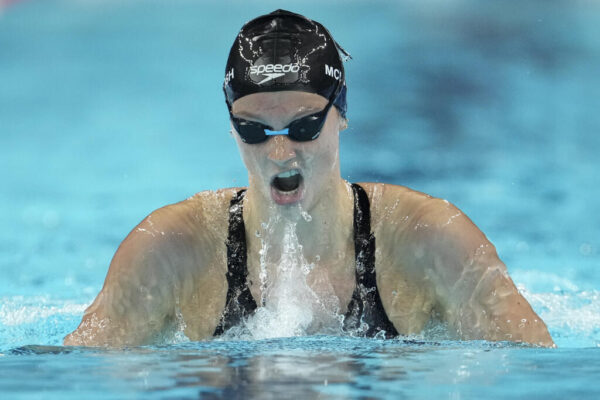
(111, 109)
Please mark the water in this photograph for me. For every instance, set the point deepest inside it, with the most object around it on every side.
(109, 110)
(291, 306)
(305, 367)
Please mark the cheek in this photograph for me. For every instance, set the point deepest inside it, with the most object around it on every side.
(254, 156)
(328, 157)
(324, 154)
(248, 156)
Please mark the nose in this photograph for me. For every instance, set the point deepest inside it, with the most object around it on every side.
(282, 149)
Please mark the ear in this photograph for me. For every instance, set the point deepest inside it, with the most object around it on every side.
(343, 123)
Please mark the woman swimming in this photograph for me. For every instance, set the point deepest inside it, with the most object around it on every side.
(383, 258)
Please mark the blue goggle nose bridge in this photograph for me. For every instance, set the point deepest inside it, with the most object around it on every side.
(273, 133)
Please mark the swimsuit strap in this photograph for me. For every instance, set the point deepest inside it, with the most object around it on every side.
(365, 311)
(239, 303)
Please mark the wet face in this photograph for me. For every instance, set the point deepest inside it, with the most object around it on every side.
(285, 172)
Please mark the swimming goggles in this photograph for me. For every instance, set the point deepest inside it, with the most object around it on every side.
(300, 130)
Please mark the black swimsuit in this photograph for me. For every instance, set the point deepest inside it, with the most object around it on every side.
(365, 315)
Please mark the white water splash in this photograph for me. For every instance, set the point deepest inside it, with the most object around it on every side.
(307, 217)
(38, 319)
(290, 306)
(19, 310)
(573, 318)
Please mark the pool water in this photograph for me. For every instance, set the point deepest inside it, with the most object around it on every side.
(109, 110)
(305, 367)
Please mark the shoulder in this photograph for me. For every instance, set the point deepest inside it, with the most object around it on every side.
(418, 219)
(391, 204)
(168, 248)
(201, 215)
(192, 229)
(199, 207)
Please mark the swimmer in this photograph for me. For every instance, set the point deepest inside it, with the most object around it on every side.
(393, 258)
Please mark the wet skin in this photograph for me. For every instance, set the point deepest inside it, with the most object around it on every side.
(430, 258)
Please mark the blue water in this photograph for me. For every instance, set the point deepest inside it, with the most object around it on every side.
(109, 110)
(313, 367)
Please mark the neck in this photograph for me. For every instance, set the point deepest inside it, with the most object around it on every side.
(323, 230)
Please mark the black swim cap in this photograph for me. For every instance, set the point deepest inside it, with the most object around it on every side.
(285, 51)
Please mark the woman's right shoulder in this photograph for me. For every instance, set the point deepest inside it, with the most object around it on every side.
(207, 206)
(211, 199)
(206, 214)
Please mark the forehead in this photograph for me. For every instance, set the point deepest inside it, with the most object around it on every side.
(284, 101)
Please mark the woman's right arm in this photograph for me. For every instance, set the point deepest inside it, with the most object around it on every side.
(145, 280)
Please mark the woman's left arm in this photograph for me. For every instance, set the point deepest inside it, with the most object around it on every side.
(474, 292)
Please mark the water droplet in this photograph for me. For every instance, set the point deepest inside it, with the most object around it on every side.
(307, 217)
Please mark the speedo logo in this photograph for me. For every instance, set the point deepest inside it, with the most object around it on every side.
(272, 71)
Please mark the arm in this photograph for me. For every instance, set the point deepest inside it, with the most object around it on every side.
(474, 292)
(139, 294)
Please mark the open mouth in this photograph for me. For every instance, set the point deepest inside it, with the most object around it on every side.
(287, 188)
(287, 181)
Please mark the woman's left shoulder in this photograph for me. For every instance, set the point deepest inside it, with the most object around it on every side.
(388, 197)
(393, 204)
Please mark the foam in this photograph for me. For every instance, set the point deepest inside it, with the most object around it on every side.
(293, 309)
(36, 319)
(19, 310)
(573, 318)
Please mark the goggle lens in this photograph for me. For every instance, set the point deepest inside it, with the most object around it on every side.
(301, 130)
